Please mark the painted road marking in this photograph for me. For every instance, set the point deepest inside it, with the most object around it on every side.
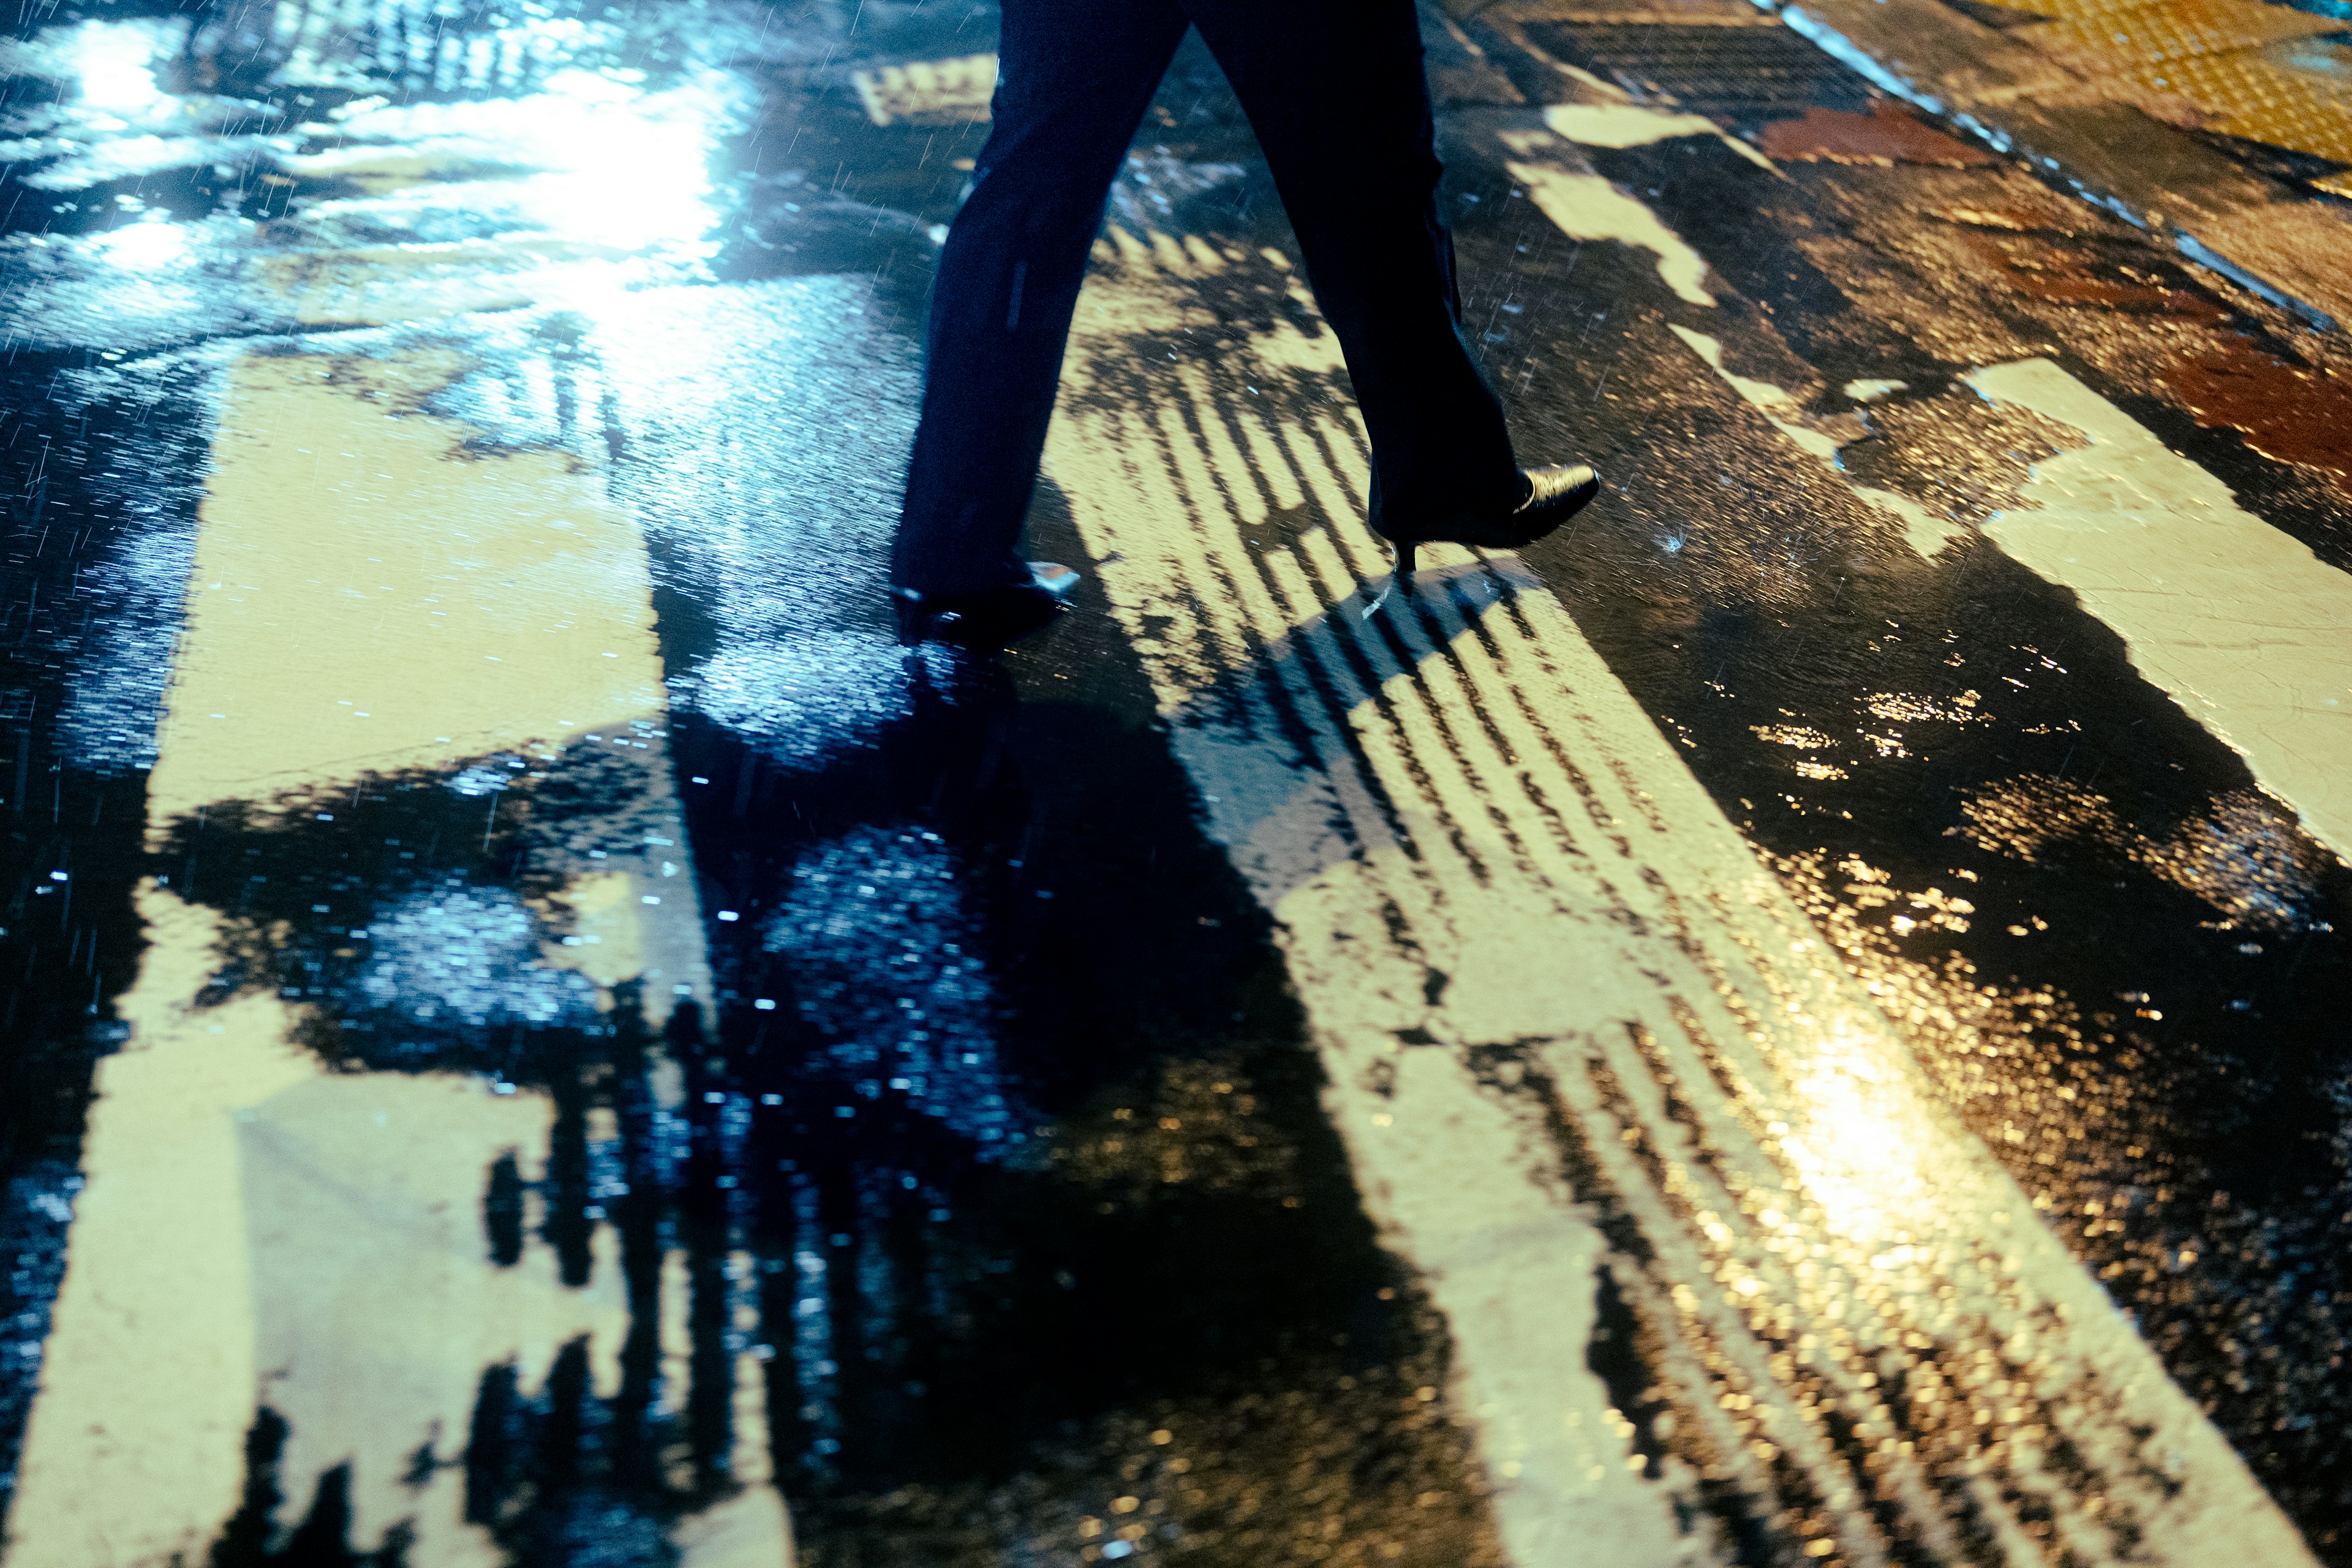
(1923, 531)
(929, 92)
(370, 600)
(2245, 628)
(368, 597)
(2242, 625)
(364, 1224)
(1554, 990)
(1586, 206)
(134, 1449)
(1626, 124)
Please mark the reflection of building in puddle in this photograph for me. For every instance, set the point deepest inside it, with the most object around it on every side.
(466, 957)
(886, 964)
(301, 1287)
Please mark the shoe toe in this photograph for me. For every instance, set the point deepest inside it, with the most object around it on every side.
(1053, 577)
(1563, 482)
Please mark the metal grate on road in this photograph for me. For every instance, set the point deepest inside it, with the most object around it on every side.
(1740, 76)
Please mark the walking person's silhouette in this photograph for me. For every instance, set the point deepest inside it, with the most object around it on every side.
(1335, 92)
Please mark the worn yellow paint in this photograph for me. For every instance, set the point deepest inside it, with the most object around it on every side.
(2241, 623)
(258, 1232)
(362, 1198)
(368, 596)
(1634, 125)
(1921, 530)
(602, 937)
(134, 1451)
(1586, 206)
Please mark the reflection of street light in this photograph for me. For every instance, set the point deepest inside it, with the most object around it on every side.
(110, 64)
(634, 166)
(607, 163)
(148, 245)
(1861, 1147)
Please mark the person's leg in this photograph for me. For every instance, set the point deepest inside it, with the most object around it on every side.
(1075, 79)
(1335, 92)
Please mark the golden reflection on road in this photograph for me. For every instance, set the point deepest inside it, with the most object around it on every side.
(1865, 1155)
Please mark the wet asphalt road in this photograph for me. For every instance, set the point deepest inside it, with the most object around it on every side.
(1797, 1022)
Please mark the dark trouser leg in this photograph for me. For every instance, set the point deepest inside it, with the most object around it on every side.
(1335, 92)
(1076, 77)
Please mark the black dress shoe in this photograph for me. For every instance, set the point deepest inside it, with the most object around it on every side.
(984, 622)
(1554, 495)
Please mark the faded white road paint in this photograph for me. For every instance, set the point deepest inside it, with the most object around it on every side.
(2246, 629)
(1552, 984)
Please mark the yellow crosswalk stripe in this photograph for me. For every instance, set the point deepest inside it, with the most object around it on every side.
(374, 605)
(1554, 989)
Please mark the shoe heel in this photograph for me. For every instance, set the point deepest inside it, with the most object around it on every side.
(1401, 561)
(912, 619)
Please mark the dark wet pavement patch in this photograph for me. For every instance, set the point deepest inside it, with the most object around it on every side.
(1090, 1201)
